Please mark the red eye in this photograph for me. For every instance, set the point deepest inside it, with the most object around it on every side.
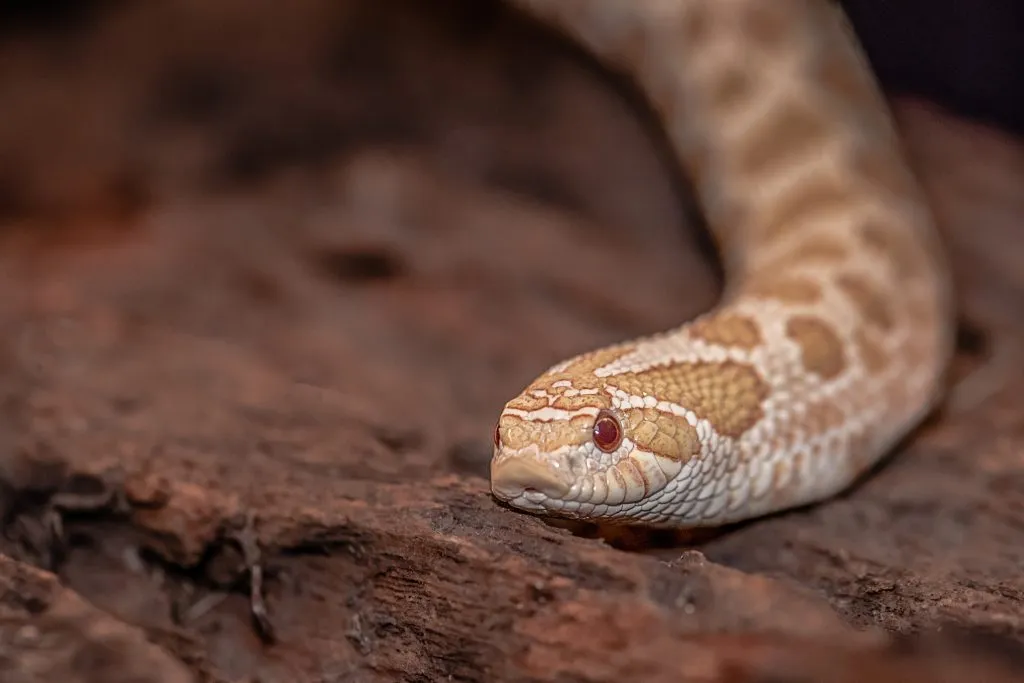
(607, 432)
(497, 435)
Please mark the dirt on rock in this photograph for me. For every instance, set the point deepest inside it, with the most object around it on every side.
(268, 276)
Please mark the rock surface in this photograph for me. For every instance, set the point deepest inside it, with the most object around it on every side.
(268, 277)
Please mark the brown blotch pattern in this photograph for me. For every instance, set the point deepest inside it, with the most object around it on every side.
(666, 435)
(697, 26)
(729, 395)
(727, 330)
(822, 417)
(767, 25)
(563, 401)
(892, 242)
(587, 363)
(787, 290)
(730, 89)
(580, 375)
(870, 302)
(821, 196)
(870, 352)
(527, 401)
(516, 433)
(819, 249)
(821, 350)
(791, 130)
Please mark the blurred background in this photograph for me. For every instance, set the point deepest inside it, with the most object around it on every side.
(103, 97)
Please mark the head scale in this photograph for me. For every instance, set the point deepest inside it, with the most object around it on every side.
(571, 444)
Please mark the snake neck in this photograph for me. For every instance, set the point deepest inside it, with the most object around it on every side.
(832, 337)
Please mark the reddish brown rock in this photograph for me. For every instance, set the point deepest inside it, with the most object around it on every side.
(268, 278)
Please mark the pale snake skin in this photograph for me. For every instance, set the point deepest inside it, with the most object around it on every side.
(832, 338)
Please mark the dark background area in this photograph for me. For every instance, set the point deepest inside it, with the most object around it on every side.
(968, 56)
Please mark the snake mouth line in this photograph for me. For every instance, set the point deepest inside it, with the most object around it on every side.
(528, 478)
(563, 482)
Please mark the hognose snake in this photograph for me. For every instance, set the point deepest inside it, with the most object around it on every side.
(832, 338)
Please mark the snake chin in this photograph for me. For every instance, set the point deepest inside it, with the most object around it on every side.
(578, 484)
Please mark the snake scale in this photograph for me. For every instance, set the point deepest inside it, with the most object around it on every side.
(832, 337)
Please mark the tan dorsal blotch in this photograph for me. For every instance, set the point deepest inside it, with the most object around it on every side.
(837, 298)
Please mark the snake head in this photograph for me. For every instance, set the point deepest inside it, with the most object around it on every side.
(569, 447)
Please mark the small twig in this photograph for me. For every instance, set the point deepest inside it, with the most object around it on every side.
(249, 543)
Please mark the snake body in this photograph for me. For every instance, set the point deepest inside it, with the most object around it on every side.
(833, 334)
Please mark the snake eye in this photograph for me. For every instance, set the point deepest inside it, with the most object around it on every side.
(607, 432)
(497, 435)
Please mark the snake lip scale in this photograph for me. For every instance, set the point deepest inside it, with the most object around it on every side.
(833, 335)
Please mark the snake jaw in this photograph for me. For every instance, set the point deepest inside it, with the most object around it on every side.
(581, 481)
